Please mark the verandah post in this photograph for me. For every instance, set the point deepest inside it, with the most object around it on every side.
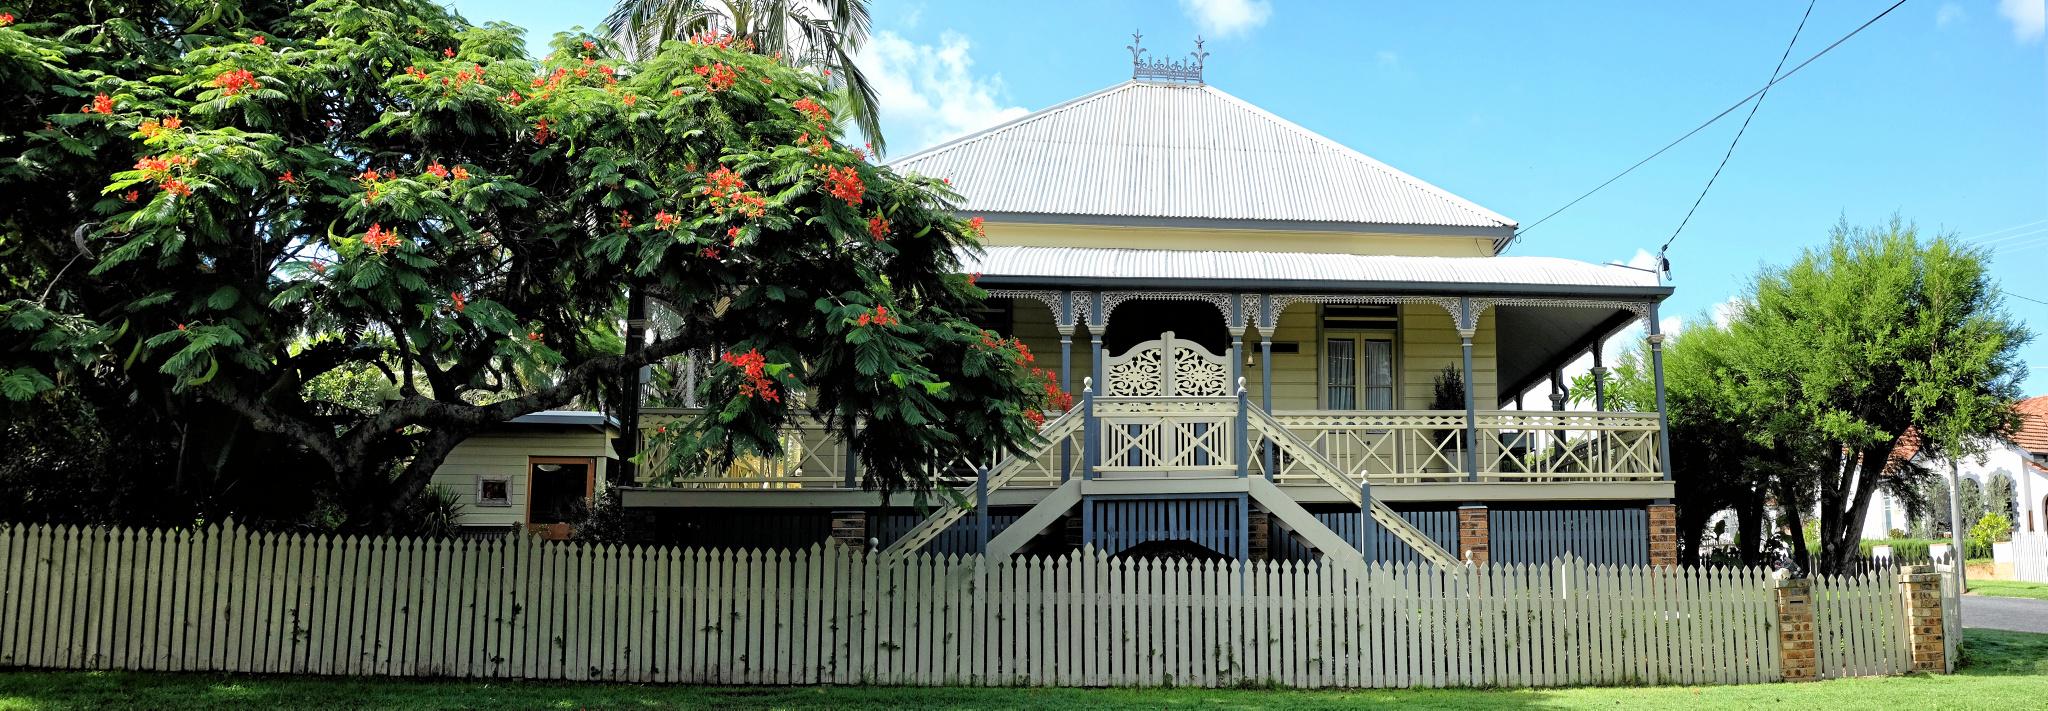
(1656, 339)
(1069, 325)
(1244, 429)
(1266, 321)
(1468, 326)
(981, 507)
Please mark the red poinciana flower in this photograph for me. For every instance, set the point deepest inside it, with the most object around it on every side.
(540, 131)
(288, 178)
(460, 303)
(812, 110)
(132, 196)
(629, 100)
(717, 77)
(258, 40)
(845, 184)
(625, 220)
(755, 368)
(380, 240)
(878, 227)
(448, 52)
(461, 173)
(6, 18)
(663, 220)
(236, 81)
(976, 225)
(437, 170)
(880, 317)
(101, 104)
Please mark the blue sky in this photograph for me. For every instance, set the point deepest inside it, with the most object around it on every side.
(1939, 112)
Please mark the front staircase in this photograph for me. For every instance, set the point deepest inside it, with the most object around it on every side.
(1165, 423)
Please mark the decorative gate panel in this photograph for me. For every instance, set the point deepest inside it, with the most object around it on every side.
(1168, 367)
(1169, 410)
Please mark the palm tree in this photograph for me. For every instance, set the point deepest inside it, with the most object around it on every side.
(820, 34)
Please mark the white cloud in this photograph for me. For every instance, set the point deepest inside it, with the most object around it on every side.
(1643, 259)
(930, 93)
(2029, 18)
(1223, 18)
(1725, 312)
(1387, 57)
(1949, 14)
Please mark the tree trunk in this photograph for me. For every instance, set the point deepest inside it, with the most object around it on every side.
(1749, 526)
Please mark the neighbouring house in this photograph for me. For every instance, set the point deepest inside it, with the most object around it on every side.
(1161, 241)
(2022, 458)
(534, 472)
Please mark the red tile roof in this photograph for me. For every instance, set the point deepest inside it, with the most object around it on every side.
(2033, 432)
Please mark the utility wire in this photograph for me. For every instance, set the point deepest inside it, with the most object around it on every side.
(1717, 117)
(1758, 104)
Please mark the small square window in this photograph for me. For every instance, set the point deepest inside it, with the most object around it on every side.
(494, 491)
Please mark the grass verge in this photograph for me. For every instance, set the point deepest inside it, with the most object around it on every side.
(2002, 670)
(2009, 588)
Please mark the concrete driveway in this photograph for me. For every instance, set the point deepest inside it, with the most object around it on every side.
(2005, 613)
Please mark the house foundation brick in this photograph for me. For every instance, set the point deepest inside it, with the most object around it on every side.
(850, 528)
(1797, 660)
(1920, 588)
(1474, 535)
(1258, 535)
(1663, 535)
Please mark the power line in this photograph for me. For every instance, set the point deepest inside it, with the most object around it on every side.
(1717, 117)
(2026, 298)
(1761, 95)
(2004, 230)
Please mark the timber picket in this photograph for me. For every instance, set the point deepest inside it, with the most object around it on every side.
(230, 599)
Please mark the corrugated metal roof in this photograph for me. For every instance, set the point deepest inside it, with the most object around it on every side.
(1055, 264)
(1142, 150)
(566, 417)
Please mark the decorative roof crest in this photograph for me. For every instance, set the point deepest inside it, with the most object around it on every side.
(1187, 70)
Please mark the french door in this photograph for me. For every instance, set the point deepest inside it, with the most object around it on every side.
(1358, 370)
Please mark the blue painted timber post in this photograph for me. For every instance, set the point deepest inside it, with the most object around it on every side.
(1656, 339)
(1090, 449)
(1068, 325)
(1266, 324)
(1244, 430)
(1468, 326)
(981, 507)
(1367, 534)
(852, 457)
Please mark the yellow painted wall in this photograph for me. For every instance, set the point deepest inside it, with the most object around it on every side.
(1426, 341)
(505, 453)
(1037, 235)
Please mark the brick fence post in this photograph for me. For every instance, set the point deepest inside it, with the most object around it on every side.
(1797, 652)
(1920, 590)
(850, 528)
(1474, 534)
(1663, 535)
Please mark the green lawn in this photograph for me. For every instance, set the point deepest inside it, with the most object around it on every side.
(2009, 588)
(2003, 670)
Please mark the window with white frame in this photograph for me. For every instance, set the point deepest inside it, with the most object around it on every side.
(493, 490)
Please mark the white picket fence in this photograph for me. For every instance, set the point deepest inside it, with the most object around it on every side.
(1859, 625)
(2029, 556)
(227, 599)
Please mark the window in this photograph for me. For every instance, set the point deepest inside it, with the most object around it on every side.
(1358, 371)
(494, 491)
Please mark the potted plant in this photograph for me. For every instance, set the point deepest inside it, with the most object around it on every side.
(1448, 393)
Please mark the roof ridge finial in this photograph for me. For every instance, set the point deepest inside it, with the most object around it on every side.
(1187, 70)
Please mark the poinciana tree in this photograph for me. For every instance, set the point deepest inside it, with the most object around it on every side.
(235, 203)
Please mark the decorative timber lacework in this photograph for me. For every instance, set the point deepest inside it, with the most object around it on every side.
(1281, 301)
(1064, 318)
(1168, 367)
(1112, 299)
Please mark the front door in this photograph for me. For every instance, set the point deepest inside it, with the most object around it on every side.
(557, 490)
